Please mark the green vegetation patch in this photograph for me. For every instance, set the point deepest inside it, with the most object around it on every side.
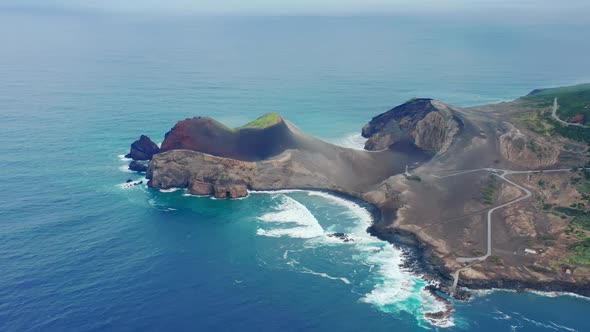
(497, 260)
(489, 190)
(264, 121)
(536, 122)
(572, 100)
(584, 188)
(579, 252)
(576, 133)
(570, 211)
(582, 222)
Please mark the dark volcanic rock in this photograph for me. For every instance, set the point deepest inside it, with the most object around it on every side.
(427, 123)
(137, 166)
(462, 295)
(206, 135)
(440, 315)
(143, 149)
(342, 236)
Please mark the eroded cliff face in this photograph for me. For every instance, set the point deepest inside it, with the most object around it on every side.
(204, 174)
(533, 152)
(428, 124)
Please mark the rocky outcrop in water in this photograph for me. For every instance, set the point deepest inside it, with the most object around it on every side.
(137, 166)
(143, 149)
(427, 123)
(342, 236)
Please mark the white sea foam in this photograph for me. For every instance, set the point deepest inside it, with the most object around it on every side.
(122, 158)
(557, 294)
(325, 275)
(134, 184)
(199, 196)
(171, 190)
(485, 292)
(395, 289)
(221, 199)
(551, 325)
(352, 141)
(125, 169)
(274, 192)
(501, 315)
(290, 212)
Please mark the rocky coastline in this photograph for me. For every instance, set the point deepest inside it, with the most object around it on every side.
(208, 158)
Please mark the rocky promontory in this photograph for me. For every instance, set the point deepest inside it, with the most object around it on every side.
(428, 168)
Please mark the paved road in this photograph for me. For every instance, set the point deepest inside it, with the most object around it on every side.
(501, 173)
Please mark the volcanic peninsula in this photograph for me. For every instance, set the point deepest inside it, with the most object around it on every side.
(485, 196)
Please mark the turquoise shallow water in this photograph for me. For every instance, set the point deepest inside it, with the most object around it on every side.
(80, 253)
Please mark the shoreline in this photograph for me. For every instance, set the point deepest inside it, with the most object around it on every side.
(420, 261)
(434, 270)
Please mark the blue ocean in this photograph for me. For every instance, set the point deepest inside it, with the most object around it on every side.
(79, 251)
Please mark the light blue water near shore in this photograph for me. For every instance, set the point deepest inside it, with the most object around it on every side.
(78, 252)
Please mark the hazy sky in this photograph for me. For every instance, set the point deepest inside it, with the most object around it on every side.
(316, 7)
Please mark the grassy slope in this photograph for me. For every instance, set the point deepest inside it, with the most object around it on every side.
(572, 100)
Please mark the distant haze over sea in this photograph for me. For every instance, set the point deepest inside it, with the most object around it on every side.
(82, 252)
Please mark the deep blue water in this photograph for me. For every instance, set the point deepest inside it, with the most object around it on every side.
(78, 252)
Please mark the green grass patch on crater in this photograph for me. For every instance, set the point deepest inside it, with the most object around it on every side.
(264, 121)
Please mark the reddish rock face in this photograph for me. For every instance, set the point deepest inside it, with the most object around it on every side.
(209, 136)
(579, 118)
(143, 149)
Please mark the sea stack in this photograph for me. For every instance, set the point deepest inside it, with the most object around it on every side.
(143, 149)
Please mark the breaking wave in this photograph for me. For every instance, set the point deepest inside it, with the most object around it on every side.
(391, 288)
(352, 141)
(295, 219)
